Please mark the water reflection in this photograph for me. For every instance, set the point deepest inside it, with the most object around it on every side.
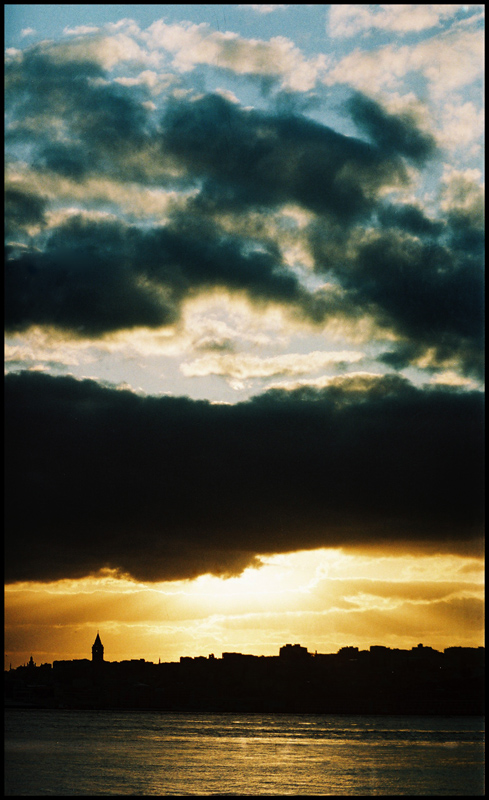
(96, 753)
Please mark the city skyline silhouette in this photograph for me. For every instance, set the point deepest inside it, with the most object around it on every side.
(380, 680)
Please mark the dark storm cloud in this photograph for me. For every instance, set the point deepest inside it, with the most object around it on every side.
(94, 277)
(392, 133)
(22, 209)
(103, 123)
(244, 157)
(71, 161)
(167, 488)
(81, 282)
(428, 289)
(466, 234)
(252, 158)
(409, 218)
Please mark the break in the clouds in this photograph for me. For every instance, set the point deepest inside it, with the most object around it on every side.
(99, 477)
(326, 179)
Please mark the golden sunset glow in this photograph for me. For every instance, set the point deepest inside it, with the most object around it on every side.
(323, 599)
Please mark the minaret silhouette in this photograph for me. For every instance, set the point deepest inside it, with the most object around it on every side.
(97, 651)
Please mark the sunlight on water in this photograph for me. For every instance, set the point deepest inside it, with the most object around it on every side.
(96, 753)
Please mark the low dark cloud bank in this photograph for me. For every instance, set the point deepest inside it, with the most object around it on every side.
(166, 488)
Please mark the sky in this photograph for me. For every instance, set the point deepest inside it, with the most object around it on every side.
(244, 328)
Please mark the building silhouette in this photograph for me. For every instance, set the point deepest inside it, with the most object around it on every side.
(293, 652)
(97, 651)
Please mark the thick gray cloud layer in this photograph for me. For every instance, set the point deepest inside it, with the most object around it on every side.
(168, 488)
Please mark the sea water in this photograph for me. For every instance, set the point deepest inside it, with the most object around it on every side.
(64, 752)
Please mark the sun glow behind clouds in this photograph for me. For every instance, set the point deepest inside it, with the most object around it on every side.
(324, 599)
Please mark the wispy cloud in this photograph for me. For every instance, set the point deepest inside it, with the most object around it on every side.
(349, 20)
(264, 8)
(244, 366)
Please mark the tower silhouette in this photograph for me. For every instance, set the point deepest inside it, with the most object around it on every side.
(97, 651)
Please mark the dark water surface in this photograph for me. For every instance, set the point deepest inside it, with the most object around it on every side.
(143, 753)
